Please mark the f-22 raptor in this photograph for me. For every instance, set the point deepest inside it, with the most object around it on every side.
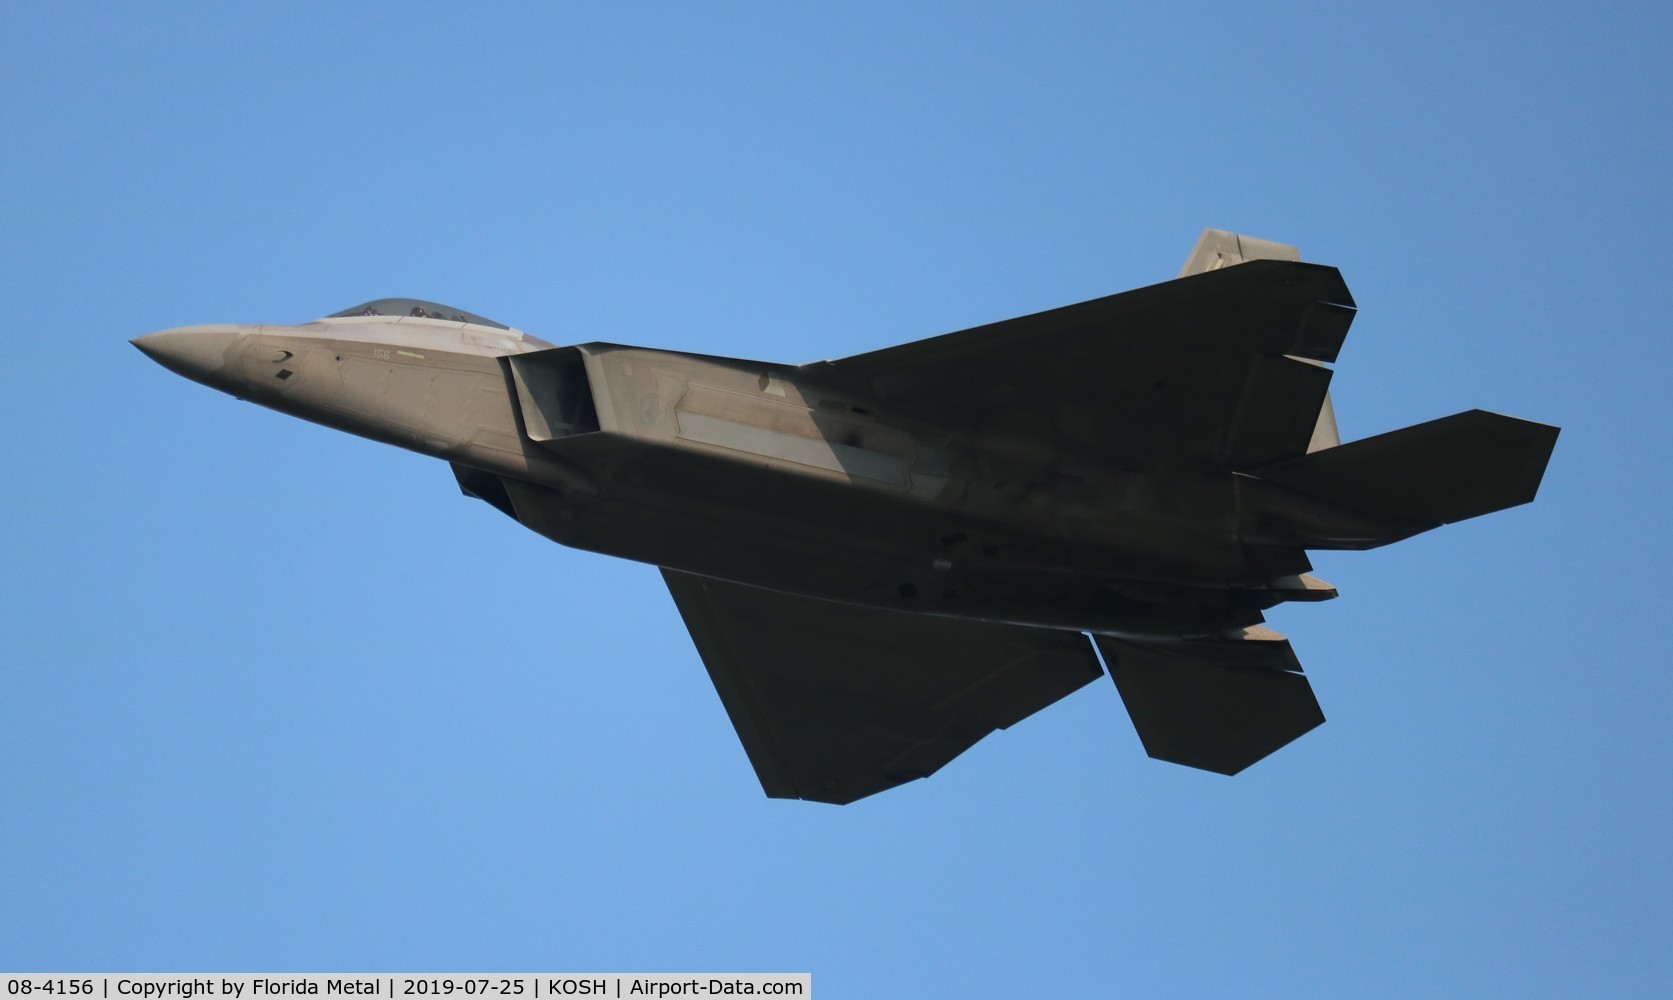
(884, 558)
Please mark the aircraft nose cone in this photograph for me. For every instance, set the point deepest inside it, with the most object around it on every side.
(197, 353)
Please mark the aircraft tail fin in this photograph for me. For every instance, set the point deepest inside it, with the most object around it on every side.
(1217, 248)
(1382, 489)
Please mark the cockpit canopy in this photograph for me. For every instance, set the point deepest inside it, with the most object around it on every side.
(419, 308)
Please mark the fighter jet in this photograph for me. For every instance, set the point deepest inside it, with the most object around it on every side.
(882, 559)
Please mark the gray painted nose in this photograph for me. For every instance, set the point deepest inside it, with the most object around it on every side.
(197, 354)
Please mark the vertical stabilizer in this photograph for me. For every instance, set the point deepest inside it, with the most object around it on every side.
(1217, 248)
(1324, 432)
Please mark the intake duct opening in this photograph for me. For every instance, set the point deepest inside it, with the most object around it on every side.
(554, 396)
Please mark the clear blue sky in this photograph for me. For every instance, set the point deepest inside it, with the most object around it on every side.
(275, 698)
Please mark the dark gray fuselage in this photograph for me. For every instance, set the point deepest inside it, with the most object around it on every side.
(885, 557)
(757, 474)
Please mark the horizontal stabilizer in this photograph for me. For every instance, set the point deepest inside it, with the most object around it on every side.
(1429, 474)
(1214, 704)
(834, 702)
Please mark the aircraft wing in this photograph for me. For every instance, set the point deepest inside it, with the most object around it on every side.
(1215, 370)
(834, 702)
